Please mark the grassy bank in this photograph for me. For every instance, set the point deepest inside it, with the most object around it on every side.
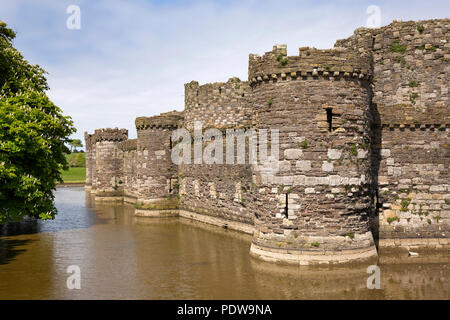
(74, 175)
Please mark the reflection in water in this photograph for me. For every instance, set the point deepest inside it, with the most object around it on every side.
(126, 257)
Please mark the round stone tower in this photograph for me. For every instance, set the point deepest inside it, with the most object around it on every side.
(90, 160)
(314, 203)
(106, 175)
(156, 173)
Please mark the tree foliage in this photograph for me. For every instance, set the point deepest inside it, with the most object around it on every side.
(75, 143)
(33, 133)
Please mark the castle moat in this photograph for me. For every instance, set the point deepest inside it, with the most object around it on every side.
(122, 256)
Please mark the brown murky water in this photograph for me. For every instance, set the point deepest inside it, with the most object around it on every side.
(124, 257)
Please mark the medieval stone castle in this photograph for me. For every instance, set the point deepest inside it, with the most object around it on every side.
(364, 149)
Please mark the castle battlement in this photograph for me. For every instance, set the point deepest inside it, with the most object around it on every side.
(109, 134)
(169, 120)
(363, 149)
(311, 62)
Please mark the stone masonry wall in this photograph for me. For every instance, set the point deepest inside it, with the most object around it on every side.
(218, 105)
(90, 161)
(129, 152)
(218, 190)
(411, 103)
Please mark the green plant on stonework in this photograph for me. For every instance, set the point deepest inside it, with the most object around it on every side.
(420, 28)
(33, 137)
(413, 96)
(432, 49)
(270, 101)
(422, 47)
(315, 244)
(429, 221)
(397, 47)
(413, 84)
(244, 189)
(437, 218)
(282, 60)
(304, 144)
(327, 67)
(354, 151)
(392, 219)
(405, 203)
(351, 235)
(400, 60)
(447, 201)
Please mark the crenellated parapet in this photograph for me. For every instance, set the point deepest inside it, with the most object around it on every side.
(168, 120)
(311, 62)
(219, 105)
(109, 134)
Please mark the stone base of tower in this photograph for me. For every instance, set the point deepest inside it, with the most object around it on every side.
(331, 250)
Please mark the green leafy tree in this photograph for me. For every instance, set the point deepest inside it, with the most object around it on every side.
(75, 143)
(33, 133)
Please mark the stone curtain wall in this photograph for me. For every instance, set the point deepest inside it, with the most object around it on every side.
(411, 149)
(324, 168)
(218, 190)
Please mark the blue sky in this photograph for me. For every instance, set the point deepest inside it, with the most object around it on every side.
(132, 58)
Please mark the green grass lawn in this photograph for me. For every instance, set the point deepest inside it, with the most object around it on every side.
(74, 175)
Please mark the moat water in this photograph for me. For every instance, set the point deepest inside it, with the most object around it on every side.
(124, 257)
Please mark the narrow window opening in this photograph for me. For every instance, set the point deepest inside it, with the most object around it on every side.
(170, 143)
(286, 212)
(220, 90)
(330, 119)
(170, 185)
